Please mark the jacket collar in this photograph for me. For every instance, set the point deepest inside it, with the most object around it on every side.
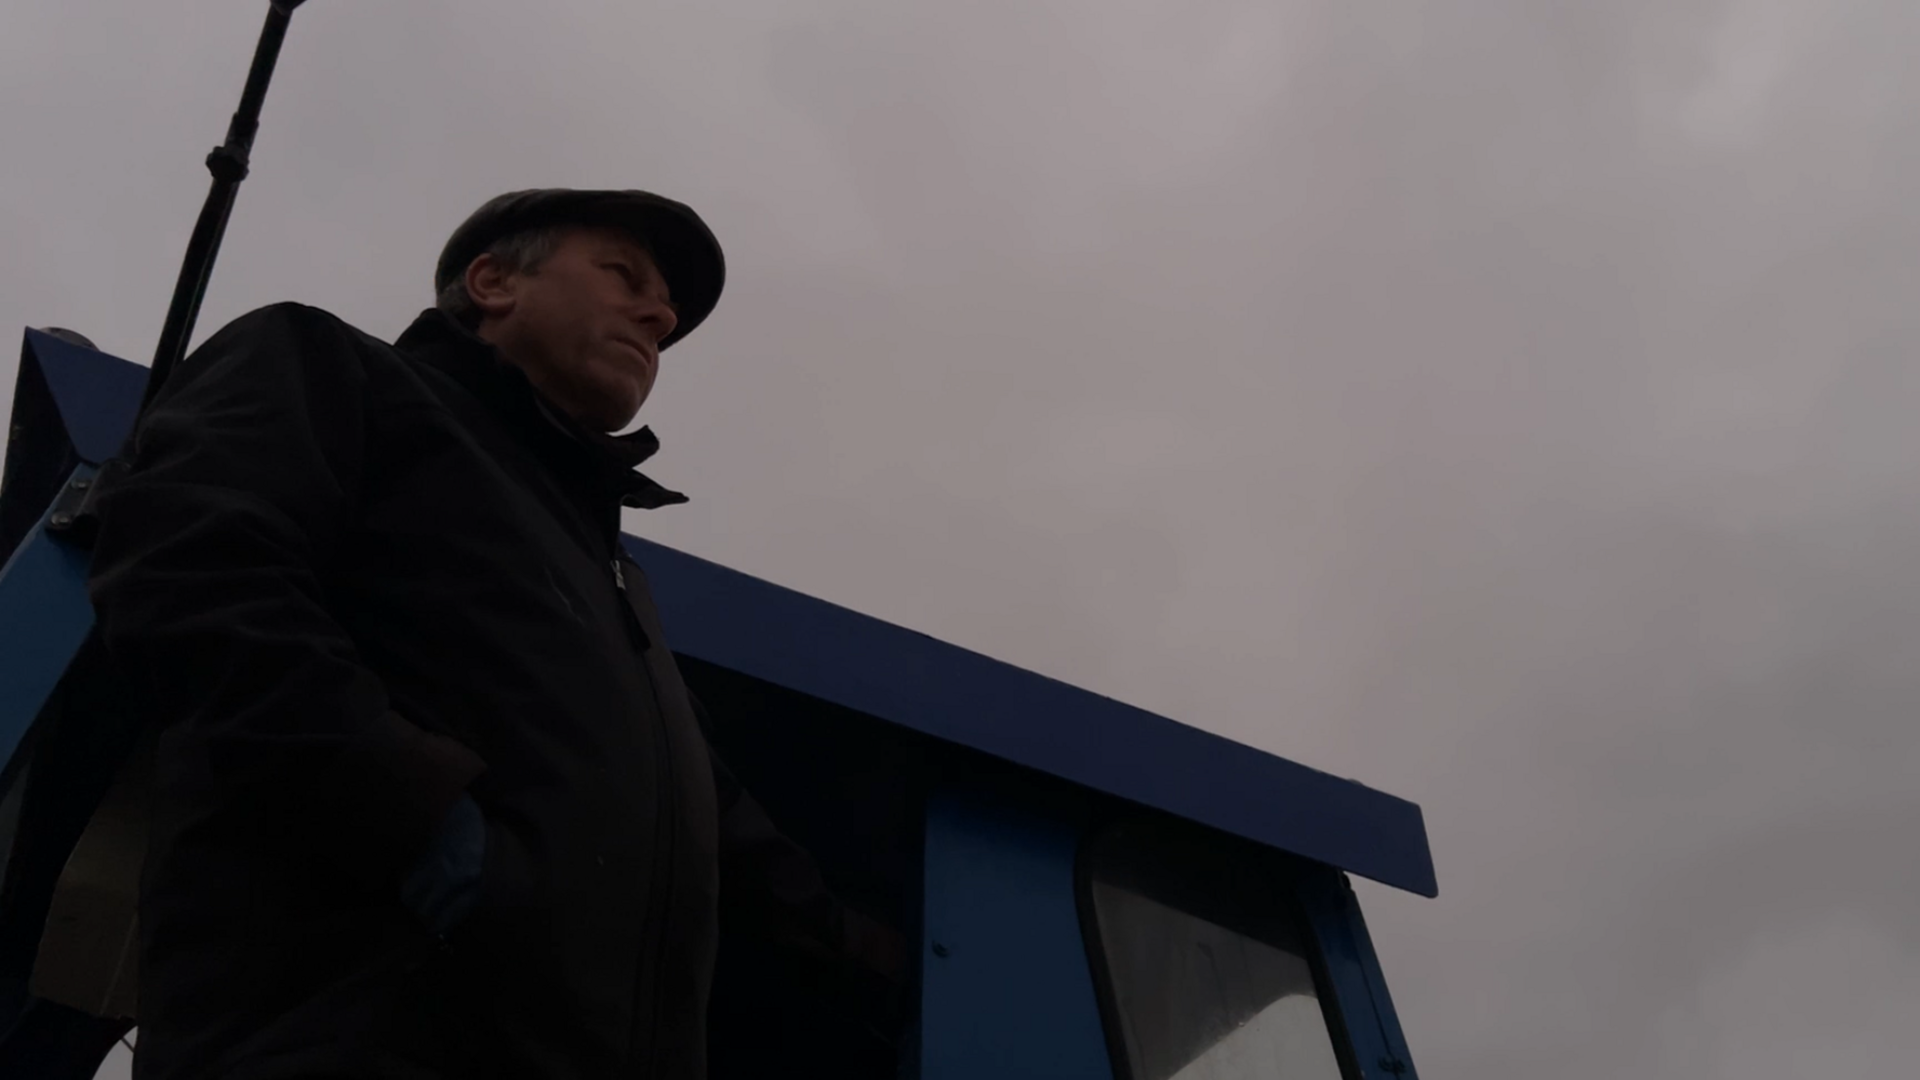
(442, 342)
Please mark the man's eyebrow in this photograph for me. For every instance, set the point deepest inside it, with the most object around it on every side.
(643, 262)
(652, 266)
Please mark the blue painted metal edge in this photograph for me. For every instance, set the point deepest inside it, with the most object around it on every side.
(45, 616)
(1389, 1017)
(783, 637)
(1354, 977)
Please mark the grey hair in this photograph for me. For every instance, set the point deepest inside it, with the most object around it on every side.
(520, 252)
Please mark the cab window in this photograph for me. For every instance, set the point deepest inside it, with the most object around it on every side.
(1206, 969)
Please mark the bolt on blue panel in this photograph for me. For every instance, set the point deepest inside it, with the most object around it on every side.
(1008, 992)
(45, 617)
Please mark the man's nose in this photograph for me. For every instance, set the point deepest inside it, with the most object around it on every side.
(657, 317)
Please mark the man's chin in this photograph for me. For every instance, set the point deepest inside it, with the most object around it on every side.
(619, 419)
(615, 404)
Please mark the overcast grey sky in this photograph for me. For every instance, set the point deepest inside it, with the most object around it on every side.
(1502, 402)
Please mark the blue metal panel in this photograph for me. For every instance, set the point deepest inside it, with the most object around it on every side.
(98, 395)
(760, 629)
(791, 640)
(45, 617)
(1358, 987)
(1007, 992)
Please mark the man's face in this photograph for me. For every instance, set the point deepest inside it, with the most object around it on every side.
(585, 325)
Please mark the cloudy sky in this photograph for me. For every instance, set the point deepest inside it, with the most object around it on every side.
(1502, 402)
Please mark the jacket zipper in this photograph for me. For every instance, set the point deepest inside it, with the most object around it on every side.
(665, 816)
(670, 805)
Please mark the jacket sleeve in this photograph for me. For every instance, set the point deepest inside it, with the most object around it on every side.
(209, 582)
(774, 885)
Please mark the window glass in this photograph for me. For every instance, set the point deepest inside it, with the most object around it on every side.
(1208, 976)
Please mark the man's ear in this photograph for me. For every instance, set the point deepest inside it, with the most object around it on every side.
(491, 286)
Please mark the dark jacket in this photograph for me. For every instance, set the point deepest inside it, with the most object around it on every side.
(358, 580)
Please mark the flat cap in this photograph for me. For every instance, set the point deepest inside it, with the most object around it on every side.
(688, 254)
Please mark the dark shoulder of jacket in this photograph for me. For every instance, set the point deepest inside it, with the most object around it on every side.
(287, 318)
(303, 341)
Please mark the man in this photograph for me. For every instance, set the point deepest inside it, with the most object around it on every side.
(431, 797)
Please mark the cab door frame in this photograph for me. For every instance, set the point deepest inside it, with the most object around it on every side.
(1013, 983)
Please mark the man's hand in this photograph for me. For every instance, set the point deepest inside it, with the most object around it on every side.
(445, 884)
(879, 949)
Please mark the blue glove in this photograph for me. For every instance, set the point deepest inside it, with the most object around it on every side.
(444, 885)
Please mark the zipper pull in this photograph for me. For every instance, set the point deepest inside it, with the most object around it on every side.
(619, 576)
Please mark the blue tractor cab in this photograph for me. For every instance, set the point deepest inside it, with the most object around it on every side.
(1097, 892)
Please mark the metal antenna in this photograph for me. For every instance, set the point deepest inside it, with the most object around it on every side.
(228, 164)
